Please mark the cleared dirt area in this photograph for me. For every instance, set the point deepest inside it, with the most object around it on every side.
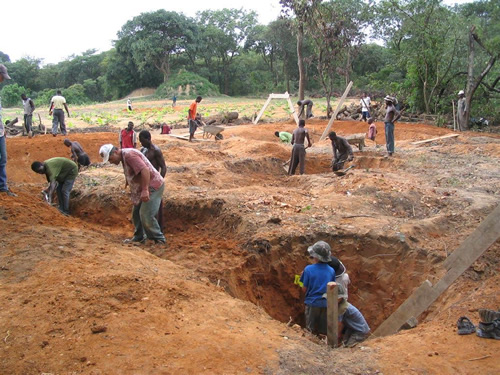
(217, 298)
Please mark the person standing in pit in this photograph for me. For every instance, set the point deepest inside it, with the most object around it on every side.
(155, 157)
(127, 137)
(298, 158)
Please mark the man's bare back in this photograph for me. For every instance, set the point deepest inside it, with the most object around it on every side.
(299, 135)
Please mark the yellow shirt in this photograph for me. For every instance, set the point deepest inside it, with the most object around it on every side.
(58, 101)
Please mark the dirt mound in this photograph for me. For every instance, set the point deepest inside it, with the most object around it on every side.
(76, 299)
(141, 92)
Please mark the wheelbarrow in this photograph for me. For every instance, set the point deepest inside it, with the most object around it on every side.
(342, 173)
(212, 130)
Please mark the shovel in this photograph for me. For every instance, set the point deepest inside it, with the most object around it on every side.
(342, 173)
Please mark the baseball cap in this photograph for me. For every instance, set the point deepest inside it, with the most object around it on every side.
(104, 151)
(390, 99)
(321, 251)
(461, 92)
(3, 71)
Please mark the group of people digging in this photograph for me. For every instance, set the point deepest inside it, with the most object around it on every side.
(342, 150)
(325, 268)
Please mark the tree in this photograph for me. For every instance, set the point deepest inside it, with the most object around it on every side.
(11, 94)
(336, 27)
(153, 38)
(223, 34)
(25, 72)
(484, 32)
(302, 10)
(426, 37)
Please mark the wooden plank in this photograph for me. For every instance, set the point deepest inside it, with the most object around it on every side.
(435, 139)
(187, 138)
(262, 110)
(341, 102)
(472, 248)
(294, 114)
(484, 236)
(332, 314)
(286, 95)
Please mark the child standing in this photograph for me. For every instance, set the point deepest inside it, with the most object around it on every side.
(315, 278)
(372, 130)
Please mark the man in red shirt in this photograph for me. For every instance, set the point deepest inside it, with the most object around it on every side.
(192, 117)
(127, 137)
(146, 190)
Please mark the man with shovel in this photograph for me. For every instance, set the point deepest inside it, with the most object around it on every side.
(342, 151)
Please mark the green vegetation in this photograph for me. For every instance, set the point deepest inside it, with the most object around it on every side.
(431, 52)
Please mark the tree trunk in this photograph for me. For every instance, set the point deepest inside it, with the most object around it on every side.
(470, 81)
(300, 62)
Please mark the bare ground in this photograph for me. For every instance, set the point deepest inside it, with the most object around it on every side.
(217, 298)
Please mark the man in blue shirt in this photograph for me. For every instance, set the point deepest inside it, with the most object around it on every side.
(315, 278)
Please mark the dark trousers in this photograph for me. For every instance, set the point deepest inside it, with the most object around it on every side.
(28, 121)
(316, 319)
(298, 159)
(3, 163)
(63, 191)
(58, 118)
(389, 137)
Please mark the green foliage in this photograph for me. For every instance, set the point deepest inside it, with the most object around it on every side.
(75, 94)
(187, 84)
(11, 95)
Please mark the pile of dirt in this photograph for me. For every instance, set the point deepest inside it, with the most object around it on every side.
(76, 299)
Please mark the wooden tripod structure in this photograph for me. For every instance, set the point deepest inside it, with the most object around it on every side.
(286, 96)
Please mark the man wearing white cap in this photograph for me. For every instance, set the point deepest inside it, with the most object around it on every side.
(462, 109)
(315, 278)
(3, 147)
(146, 190)
(391, 116)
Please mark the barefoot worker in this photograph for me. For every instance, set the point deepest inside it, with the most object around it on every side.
(305, 103)
(146, 190)
(79, 156)
(299, 150)
(155, 157)
(60, 173)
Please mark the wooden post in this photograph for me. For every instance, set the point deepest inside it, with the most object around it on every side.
(292, 108)
(330, 123)
(332, 313)
(454, 119)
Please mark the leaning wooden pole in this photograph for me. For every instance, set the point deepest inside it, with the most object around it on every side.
(454, 117)
(332, 314)
(330, 123)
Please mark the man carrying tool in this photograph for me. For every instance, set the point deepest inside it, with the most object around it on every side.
(127, 137)
(305, 103)
(155, 157)
(79, 156)
(28, 107)
(365, 107)
(57, 103)
(61, 174)
(193, 125)
(299, 136)
(342, 151)
(146, 191)
(315, 278)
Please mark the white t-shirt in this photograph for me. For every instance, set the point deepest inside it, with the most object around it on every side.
(365, 104)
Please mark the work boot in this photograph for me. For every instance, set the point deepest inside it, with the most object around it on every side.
(488, 316)
(9, 193)
(489, 330)
(135, 240)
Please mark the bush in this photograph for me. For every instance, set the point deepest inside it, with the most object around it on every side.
(187, 84)
(11, 95)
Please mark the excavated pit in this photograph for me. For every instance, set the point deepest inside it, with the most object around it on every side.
(211, 238)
